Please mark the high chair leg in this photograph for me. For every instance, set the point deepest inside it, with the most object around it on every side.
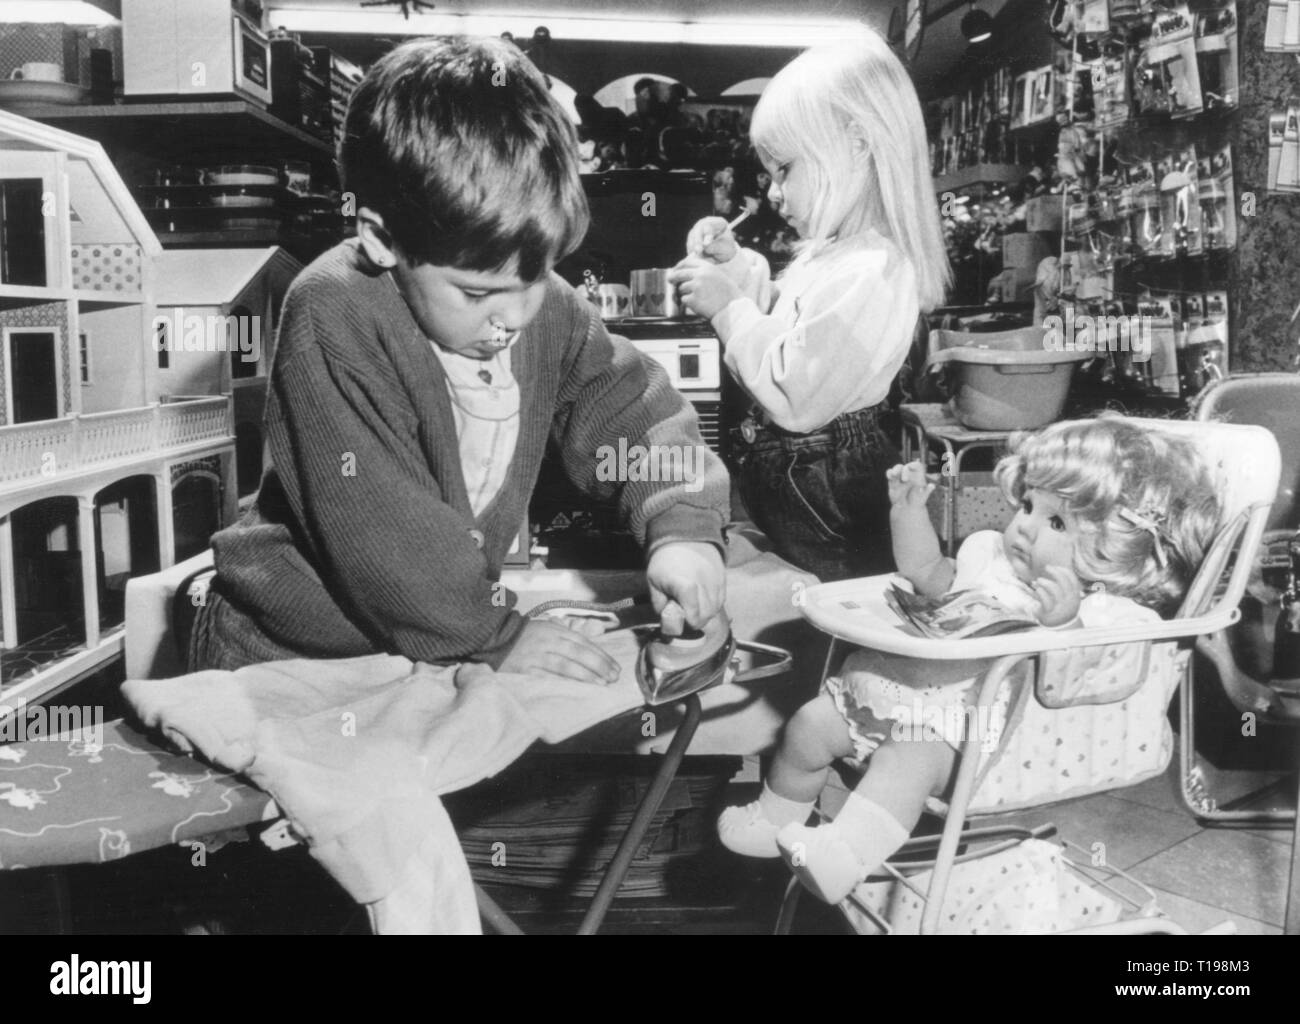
(967, 769)
(789, 906)
(1244, 692)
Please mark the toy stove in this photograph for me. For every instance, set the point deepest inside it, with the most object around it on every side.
(691, 353)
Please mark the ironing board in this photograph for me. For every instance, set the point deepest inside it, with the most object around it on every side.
(88, 801)
(76, 801)
(84, 802)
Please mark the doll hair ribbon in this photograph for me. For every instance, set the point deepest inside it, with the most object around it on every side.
(1149, 521)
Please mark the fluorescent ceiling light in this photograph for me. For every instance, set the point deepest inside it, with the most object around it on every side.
(710, 32)
(55, 12)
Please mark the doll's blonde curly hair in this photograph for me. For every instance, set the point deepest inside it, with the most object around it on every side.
(1144, 501)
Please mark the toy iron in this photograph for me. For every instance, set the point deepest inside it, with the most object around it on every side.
(669, 668)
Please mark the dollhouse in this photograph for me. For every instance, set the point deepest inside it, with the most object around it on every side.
(239, 292)
(104, 472)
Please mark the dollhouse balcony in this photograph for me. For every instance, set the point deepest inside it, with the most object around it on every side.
(32, 453)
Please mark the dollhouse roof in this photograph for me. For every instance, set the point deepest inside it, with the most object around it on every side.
(103, 209)
(214, 277)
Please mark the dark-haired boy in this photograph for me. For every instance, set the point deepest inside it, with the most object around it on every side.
(421, 369)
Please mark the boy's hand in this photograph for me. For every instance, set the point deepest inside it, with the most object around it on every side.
(704, 289)
(908, 486)
(1059, 595)
(687, 585)
(711, 239)
(554, 648)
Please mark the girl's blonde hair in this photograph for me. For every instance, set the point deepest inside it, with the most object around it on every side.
(850, 111)
(1144, 501)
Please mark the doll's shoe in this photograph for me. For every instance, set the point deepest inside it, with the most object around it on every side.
(822, 861)
(746, 831)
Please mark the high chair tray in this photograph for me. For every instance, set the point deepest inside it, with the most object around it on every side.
(857, 611)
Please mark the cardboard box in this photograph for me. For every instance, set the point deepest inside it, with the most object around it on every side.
(1025, 249)
(1044, 213)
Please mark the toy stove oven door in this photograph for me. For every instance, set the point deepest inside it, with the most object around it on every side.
(692, 355)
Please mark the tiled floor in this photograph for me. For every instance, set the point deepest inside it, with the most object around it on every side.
(1201, 876)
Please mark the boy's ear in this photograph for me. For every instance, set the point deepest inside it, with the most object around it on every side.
(376, 242)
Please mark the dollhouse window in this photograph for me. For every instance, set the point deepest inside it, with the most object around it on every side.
(84, 359)
(244, 342)
(22, 232)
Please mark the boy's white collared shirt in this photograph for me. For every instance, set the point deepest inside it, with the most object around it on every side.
(485, 405)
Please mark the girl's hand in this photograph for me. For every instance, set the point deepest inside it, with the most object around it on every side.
(1059, 595)
(704, 289)
(711, 239)
(908, 485)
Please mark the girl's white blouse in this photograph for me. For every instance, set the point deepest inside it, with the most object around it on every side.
(835, 338)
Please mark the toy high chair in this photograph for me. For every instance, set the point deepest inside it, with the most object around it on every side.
(1090, 713)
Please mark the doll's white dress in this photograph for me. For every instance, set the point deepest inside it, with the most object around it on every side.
(890, 696)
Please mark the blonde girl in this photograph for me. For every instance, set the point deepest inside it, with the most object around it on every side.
(839, 130)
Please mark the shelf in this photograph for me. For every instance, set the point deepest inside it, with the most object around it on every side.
(980, 174)
(89, 300)
(25, 294)
(234, 239)
(196, 132)
(1039, 131)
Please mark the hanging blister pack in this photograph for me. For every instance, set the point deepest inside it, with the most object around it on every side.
(1094, 20)
(1216, 56)
(1288, 172)
(1217, 201)
(1180, 208)
(1147, 230)
(1276, 138)
(1214, 355)
(1166, 74)
(1282, 29)
(1162, 365)
(1110, 89)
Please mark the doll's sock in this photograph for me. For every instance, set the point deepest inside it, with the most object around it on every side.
(872, 833)
(781, 811)
(751, 830)
(830, 860)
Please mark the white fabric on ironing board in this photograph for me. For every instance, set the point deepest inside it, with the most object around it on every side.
(357, 751)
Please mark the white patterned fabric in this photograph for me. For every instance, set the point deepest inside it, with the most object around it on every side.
(1026, 890)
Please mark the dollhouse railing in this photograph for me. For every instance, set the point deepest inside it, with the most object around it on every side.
(30, 451)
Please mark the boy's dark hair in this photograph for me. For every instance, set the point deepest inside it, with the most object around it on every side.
(458, 145)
